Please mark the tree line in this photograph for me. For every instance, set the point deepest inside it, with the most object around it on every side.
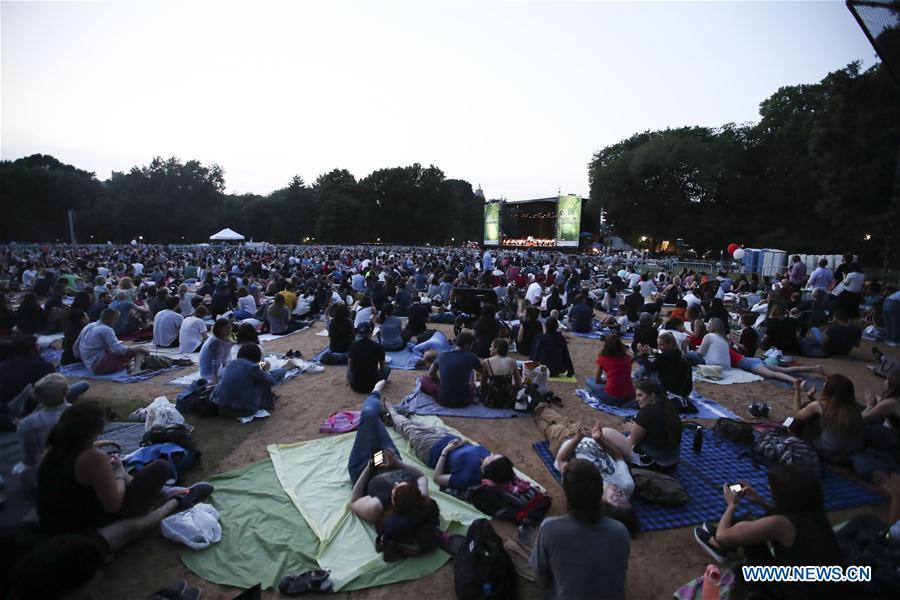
(172, 201)
(816, 174)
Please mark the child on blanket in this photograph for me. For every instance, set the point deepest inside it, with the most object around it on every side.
(570, 439)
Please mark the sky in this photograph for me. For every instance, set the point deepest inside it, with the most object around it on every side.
(515, 96)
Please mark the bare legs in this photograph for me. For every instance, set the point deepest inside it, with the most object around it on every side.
(121, 533)
(782, 373)
(619, 441)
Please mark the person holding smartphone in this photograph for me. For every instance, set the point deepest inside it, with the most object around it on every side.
(795, 526)
(386, 491)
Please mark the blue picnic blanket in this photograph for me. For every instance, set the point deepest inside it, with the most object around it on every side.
(420, 403)
(703, 475)
(708, 409)
(601, 333)
(51, 355)
(403, 360)
(79, 371)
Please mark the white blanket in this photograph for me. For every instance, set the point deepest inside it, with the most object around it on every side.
(729, 376)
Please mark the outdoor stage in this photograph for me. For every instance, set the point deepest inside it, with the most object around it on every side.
(538, 223)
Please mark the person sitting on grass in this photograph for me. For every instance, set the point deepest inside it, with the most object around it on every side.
(246, 385)
(882, 415)
(366, 361)
(794, 532)
(615, 361)
(570, 439)
(832, 424)
(391, 494)
(216, 351)
(551, 350)
(583, 554)
(390, 328)
(193, 331)
(654, 439)
(85, 491)
(101, 351)
(278, 316)
(669, 366)
(167, 324)
(450, 379)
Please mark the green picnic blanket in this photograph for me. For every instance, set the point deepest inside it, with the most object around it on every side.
(290, 514)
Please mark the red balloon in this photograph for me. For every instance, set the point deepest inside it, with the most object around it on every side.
(732, 248)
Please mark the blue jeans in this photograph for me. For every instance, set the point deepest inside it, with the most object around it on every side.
(240, 315)
(694, 358)
(76, 390)
(598, 390)
(370, 436)
(814, 346)
(277, 374)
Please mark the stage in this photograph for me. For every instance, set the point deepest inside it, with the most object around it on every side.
(537, 223)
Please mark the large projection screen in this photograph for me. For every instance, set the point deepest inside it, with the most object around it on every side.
(492, 224)
(568, 220)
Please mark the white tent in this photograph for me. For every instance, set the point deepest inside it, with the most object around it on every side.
(227, 235)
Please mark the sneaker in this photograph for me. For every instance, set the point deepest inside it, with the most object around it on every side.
(759, 410)
(193, 495)
(710, 527)
(317, 580)
(705, 538)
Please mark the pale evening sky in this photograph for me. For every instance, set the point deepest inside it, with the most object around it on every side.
(516, 96)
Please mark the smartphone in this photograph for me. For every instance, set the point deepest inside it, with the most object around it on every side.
(788, 422)
(736, 488)
(378, 458)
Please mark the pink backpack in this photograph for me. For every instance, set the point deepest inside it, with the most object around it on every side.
(341, 422)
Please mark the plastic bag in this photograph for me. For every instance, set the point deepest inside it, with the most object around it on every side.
(197, 527)
(162, 412)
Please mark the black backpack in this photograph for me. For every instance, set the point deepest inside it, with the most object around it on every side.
(197, 400)
(497, 390)
(529, 507)
(482, 569)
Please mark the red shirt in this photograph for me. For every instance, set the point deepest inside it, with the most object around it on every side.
(618, 375)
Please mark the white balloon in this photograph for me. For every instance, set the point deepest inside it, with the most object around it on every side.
(739, 254)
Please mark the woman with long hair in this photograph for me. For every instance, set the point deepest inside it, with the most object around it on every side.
(654, 439)
(615, 361)
(82, 489)
(833, 423)
(882, 417)
(216, 351)
(795, 527)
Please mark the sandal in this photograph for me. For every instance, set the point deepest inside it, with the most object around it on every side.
(318, 580)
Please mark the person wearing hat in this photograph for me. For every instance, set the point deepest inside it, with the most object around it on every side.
(50, 395)
(365, 361)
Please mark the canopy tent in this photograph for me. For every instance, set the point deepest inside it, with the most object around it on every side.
(227, 235)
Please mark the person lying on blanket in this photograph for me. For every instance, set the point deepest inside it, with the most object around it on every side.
(570, 439)
(795, 527)
(654, 440)
(457, 463)
(387, 492)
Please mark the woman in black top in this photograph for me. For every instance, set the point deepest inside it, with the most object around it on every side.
(487, 328)
(529, 329)
(83, 490)
(717, 310)
(796, 527)
(77, 321)
(340, 330)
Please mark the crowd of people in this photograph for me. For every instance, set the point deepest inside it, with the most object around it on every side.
(216, 301)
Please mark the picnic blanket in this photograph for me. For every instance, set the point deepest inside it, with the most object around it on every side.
(51, 355)
(268, 337)
(276, 362)
(80, 371)
(127, 434)
(289, 514)
(564, 379)
(703, 475)
(420, 403)
(45, 341)
(404, 360)
(708, 409)
(729, 376)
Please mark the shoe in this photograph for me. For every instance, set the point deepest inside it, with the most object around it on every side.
(193, 495)
(710, 527)
(705, 538)
(878, 353)
(317, 580)
(191, 594)
(759, 410)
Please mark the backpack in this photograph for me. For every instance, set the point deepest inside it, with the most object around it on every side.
(174, 434)
(197, 400)
(156, 363)
(779, 447)
(658, 488)
(524, 504)
(179, 458)
(482, 569)
(735, 431)
(497, 390)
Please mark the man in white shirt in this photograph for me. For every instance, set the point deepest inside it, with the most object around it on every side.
(691, 299)
(101, 351)
(28, 277)
(193, 331)
(822, 277)
(166, 325)
(534, 291)
(138, 268)
(634, 279)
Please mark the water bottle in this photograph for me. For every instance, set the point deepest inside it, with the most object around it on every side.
(711, 583)
(698, 439)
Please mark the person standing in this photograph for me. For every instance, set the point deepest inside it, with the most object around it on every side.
(797, 275)
(822, 277)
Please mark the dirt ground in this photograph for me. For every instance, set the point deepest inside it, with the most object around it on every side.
(660, 562)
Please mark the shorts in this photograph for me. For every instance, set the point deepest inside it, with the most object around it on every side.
(748, 363)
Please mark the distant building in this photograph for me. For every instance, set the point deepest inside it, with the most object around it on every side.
(479, 192)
